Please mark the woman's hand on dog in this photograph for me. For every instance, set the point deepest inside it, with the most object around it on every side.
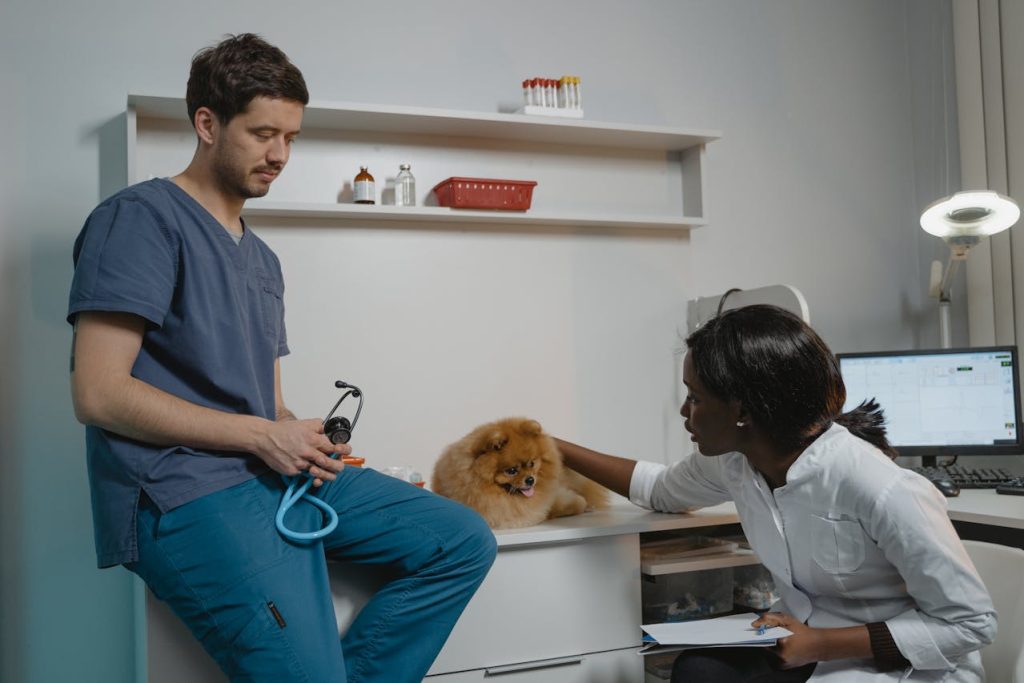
(292, 447)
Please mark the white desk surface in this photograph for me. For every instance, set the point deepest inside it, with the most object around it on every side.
(985, 506)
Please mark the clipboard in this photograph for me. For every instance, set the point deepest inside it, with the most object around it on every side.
(733, 630)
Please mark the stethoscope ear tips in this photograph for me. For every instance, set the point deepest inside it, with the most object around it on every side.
(345, 385)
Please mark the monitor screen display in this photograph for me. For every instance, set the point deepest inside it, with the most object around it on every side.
(944, 402)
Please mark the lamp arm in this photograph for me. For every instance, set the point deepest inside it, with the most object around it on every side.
(947, 278)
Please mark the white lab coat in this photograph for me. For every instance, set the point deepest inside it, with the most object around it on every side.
(851, 538)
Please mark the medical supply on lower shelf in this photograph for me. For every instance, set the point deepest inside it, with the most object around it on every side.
(405, 187)
(687, 595)
(485, 193)
(364, 191)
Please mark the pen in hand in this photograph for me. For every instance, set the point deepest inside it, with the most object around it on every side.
(762, 629)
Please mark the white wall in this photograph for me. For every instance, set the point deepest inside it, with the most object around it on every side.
(834, 116)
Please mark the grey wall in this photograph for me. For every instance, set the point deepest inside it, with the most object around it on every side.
(837, 123)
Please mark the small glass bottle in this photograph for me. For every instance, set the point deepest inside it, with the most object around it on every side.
(363, 189)
(405, 187)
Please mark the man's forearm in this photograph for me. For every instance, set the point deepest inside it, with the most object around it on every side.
(105, 394)
(137, 410)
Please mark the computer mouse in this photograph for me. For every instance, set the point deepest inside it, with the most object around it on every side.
(948, 488)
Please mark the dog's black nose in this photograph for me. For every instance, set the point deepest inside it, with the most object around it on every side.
(529, 481)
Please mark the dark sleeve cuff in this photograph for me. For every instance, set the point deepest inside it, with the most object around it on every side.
(883, 648)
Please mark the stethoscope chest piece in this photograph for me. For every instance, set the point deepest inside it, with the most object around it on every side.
(338, 430)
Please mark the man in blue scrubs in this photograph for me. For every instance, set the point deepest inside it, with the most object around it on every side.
(179, 327)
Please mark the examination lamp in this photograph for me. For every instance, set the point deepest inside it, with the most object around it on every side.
(961, 221)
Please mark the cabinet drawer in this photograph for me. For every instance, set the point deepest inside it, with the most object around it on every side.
(617, 666)
(547, 602)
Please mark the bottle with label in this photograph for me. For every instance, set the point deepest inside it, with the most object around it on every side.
(363, 189)
(405, 187)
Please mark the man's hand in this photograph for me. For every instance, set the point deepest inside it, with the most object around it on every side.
(806, 645)
(291, 447)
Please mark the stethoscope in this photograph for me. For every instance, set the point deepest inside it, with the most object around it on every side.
(338, 430)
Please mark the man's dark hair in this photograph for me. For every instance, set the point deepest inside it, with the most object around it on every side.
(226, 77)
(783, 375)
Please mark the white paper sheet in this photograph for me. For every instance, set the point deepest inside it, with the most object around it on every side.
(732, 630)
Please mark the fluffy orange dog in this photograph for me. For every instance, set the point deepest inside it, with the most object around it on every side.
(511, 472)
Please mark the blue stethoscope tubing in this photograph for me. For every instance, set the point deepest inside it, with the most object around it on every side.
(298, 489)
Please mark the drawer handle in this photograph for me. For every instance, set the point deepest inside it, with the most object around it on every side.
(531, 666)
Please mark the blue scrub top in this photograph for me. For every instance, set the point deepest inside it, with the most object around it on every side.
(214, 327)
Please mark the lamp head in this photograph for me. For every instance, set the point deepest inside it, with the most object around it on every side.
(963, 219)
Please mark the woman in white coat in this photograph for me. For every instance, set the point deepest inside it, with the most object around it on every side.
(874, 582)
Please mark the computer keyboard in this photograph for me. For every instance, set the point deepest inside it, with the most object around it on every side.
(1014, 487)
(968, 477)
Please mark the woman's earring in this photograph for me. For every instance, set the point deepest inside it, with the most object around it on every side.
(741, 423)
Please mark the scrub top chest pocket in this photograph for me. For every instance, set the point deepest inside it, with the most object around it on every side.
(270, 293)
(837, 544)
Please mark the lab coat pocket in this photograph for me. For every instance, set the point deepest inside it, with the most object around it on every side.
(837, 544)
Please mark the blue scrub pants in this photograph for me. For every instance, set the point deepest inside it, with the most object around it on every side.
(261, 606)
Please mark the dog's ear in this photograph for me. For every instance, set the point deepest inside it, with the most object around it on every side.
(492, 440)
(532, 428)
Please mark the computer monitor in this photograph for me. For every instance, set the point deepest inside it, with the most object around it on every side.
(941, 402)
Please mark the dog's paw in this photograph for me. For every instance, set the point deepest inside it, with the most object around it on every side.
(568, 503)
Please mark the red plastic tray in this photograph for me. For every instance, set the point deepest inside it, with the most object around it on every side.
(485, 193)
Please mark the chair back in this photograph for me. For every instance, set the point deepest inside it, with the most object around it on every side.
(1002, 570)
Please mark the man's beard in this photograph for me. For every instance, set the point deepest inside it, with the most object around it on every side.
(234, 179)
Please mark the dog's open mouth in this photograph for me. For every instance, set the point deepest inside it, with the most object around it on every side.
(513, 490)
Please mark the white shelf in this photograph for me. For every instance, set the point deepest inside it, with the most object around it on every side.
(424, 121)
(737, 558)
(581, 165)
(440, 214)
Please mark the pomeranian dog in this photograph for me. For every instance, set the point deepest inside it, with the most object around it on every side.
(511, 472)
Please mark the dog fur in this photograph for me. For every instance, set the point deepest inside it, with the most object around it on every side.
(511, 472)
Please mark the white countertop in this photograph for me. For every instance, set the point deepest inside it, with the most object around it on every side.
(980, 506)
(621, 518)
(985, 506)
